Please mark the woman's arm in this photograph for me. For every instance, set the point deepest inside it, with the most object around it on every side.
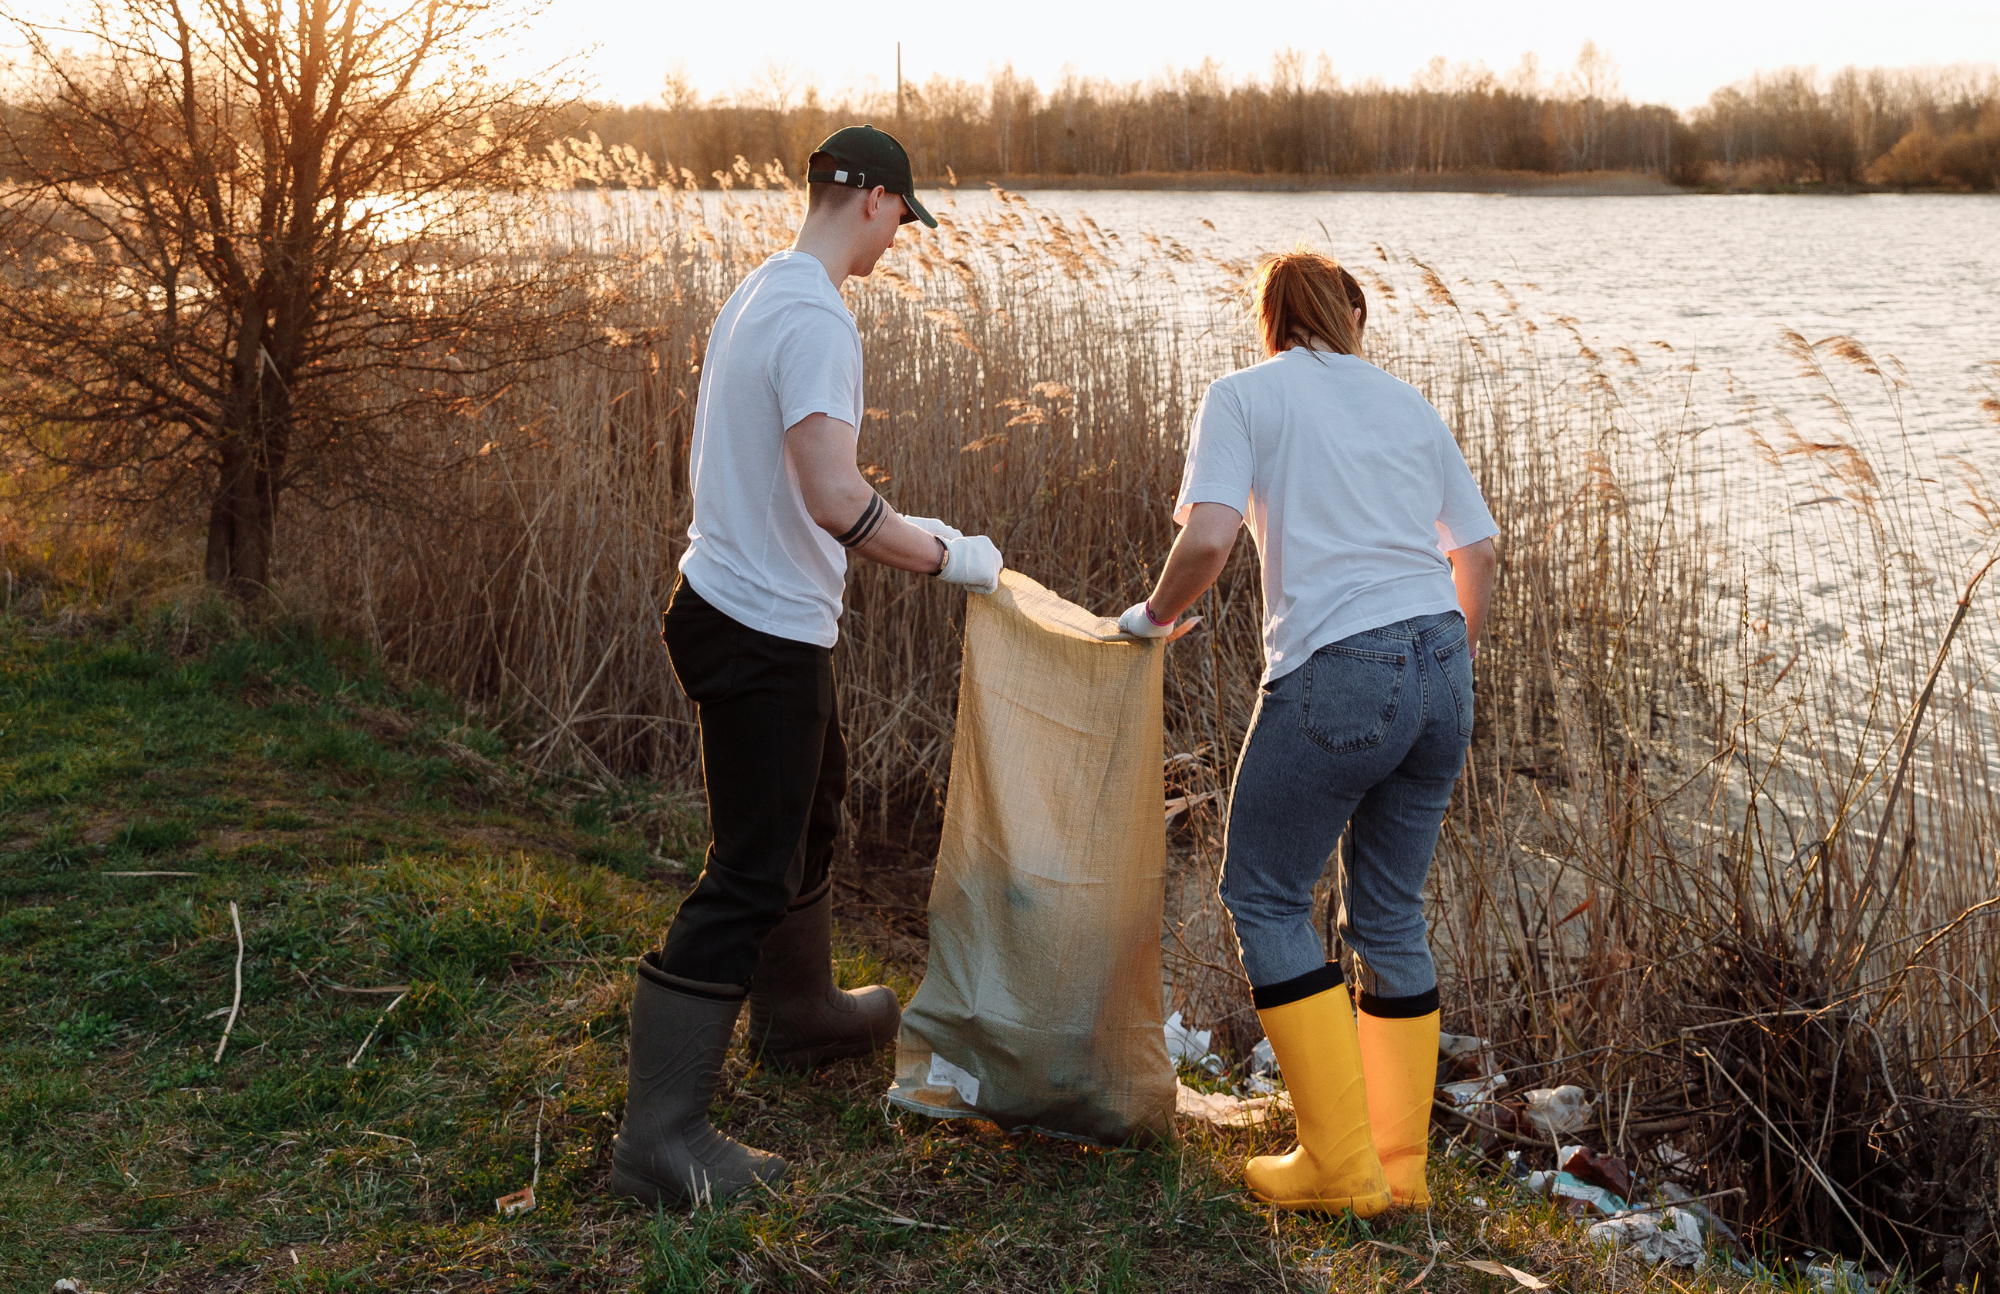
(1198, 556)
(1472, 570)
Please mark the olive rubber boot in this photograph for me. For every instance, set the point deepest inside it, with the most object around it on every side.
(798, 1019)
(1399, 1056)
(1333, 1168)
(666, 1151)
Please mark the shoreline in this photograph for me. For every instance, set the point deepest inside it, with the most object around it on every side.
(1567, 184)
(1623, 184)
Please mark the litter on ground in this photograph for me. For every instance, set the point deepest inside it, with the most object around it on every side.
(1556, 1110)
(1673, 1238)
(1226, 1111)
(1187, 1045)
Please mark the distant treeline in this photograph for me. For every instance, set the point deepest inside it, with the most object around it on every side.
(1937, 127)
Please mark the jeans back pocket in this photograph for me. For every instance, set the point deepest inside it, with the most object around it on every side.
(1351, 696)
(1455, 661)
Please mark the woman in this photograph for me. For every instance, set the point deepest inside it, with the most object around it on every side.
(1377, 554)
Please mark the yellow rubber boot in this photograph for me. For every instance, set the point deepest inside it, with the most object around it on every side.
(1334, 1167)
(1400, 1059)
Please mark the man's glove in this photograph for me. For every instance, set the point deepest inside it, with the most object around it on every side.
(932, 526)
(971, 560)
(1138, 621)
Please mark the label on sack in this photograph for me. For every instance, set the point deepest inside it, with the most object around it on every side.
(945, 1074)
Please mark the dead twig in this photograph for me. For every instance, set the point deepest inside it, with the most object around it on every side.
(236, 920)
(378, 1027)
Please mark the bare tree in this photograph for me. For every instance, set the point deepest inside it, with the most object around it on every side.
(247, 242)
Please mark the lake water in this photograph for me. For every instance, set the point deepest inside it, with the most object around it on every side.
(1913, 276)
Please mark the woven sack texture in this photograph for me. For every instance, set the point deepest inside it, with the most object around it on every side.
(1041, 1005)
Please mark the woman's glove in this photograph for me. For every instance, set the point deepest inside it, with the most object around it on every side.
(971, 560)
(1138, 621)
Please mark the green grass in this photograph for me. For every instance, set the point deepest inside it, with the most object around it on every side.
(359, 831)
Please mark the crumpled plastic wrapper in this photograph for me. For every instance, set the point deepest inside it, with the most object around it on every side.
(1673, 1238)
(1227, 1111)
(1556, 1110)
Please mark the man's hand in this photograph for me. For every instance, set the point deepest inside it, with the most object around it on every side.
(973, 561)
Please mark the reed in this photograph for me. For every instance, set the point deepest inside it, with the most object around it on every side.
(1709, 858)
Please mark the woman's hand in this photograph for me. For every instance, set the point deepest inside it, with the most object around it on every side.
(1138, 621)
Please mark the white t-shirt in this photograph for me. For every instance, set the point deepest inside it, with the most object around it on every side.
(783, 348)
(1351, 484)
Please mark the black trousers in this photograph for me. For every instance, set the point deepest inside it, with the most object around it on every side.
(776, 770)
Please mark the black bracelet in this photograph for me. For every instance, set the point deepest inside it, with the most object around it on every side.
(944, 556)
(864, 529)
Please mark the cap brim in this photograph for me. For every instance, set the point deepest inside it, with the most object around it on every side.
(917, 211)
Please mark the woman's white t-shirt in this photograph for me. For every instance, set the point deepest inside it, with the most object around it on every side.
(1352, 486)
(783, 347)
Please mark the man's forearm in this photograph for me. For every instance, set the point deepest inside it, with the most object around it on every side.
(880, 534)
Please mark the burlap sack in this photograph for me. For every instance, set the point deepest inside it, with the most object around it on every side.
(1041, 1004)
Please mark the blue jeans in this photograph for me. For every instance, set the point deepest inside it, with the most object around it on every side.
(1372, 730)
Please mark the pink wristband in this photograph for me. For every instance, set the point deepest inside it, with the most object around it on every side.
(1155, 619)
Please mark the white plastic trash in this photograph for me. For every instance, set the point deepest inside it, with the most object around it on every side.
(1227, 1111)
(1556, 1110)
(1474, 1091)
(1189, 1046)
(1673, 1238)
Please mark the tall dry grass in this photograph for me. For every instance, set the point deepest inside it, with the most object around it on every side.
(1675, 871)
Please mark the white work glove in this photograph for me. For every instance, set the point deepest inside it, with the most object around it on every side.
(971, 560)
(932, 526)
(1139, 623)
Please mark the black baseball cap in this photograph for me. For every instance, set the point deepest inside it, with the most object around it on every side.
(862, 157)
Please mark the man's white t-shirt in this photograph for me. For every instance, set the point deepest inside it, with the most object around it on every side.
(1351, 484)
(783, 348)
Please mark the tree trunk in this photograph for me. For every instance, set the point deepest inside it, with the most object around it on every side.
(243, 515)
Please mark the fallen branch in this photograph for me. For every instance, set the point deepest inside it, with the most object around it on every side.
(149, 873)
(235, 920)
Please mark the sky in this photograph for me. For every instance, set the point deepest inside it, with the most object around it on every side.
(1675, 54)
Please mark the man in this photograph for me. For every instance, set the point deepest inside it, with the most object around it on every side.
(778, 504)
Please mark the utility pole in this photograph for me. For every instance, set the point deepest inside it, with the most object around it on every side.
(899, 87)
